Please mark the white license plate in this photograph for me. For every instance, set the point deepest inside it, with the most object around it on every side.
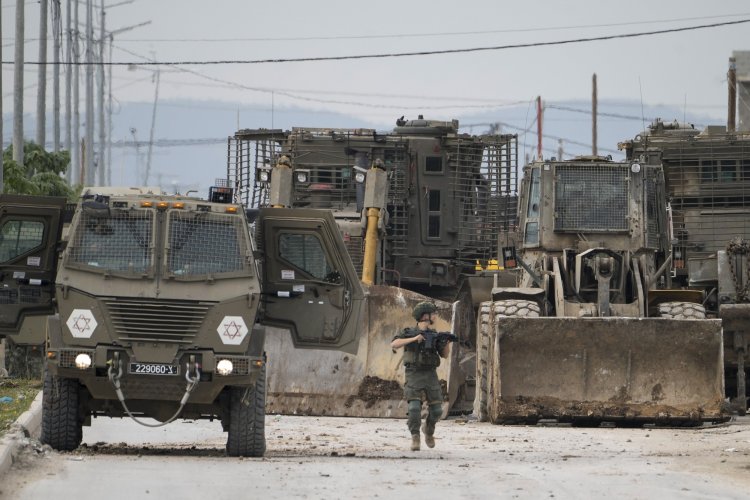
(153, 369)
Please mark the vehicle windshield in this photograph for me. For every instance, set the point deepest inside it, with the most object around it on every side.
(591, 198)
(202, 243)
(118, 241)
(124, 242)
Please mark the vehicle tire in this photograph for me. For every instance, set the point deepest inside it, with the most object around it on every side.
(516, 308)
(481, 395)
(62, 426)
(246, 434)
(682, 310)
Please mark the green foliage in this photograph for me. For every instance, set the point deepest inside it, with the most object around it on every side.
(40, 173)
(22, 393)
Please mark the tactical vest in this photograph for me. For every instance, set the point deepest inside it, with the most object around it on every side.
(415, 357)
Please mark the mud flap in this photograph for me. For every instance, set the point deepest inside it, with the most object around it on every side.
(368, 384)
(606, 369)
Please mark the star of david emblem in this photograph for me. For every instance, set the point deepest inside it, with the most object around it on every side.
(232, 330)
(81, 323)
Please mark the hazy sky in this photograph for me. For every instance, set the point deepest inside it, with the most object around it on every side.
(682, 69)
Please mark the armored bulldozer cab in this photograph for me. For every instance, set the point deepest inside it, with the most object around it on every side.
(446, 192)
(599, 221)
(161, 305)
(578, 339)
(438, 200)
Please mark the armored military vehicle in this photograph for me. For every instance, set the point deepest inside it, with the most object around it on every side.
(155, 306)
(708, 185)
(591, 332)
(433, 200)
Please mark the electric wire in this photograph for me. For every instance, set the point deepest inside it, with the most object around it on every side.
(409, 54)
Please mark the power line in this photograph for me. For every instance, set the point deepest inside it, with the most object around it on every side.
(588, 112)
(425, 35)
(410, 35)
(318, 100)
(412, 54)
(611, 115)
(528, 130)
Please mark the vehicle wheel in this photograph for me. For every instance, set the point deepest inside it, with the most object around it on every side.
(62, 428)
(682, 310)
(516, 308)
(246, 434)
(481, 395)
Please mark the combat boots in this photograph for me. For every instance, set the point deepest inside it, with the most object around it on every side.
(415, 442)
(429, 439)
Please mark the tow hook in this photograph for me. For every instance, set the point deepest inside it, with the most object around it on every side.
(192, 375)
(192, 367)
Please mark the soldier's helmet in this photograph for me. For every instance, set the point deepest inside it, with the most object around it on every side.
(422, 308)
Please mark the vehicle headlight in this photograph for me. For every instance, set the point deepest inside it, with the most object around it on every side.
(359, 177)
(83, 361)
(224, 367)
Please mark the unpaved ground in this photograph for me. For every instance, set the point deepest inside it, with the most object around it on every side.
(311, 457)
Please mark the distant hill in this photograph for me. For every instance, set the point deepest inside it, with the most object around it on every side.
(190, 146)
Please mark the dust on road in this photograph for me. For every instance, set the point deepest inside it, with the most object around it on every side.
(319, 457)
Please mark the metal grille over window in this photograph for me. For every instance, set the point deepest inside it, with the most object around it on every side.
(591, 198)
(708, 181)
(202, 243)
(119, 241)
(305, 252)
(484, 177)
(652, 216)
(19, 237)
(250, 160)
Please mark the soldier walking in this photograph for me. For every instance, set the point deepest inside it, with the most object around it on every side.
(423, 349)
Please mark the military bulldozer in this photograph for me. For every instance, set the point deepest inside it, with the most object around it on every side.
(156, 306)
(708, 184)
(591, 331)
(419, 208)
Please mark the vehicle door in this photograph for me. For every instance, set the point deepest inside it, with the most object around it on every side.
(30, 229)
(309, 284)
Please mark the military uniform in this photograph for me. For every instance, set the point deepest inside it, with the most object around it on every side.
(420, 367)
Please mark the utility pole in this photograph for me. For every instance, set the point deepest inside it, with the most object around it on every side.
(2, 145)
(109, 91)
(3, 371)
(18, 87)
(100, 94)
(151, 135)
(68, 96)
(41, 87)
(109, 115)
(594, 104)
(56, 43)
(732, 102)
(90, 174)
(559, 149)
(76, 163)
(539, 117)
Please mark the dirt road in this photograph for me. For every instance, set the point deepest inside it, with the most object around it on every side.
(310, 457)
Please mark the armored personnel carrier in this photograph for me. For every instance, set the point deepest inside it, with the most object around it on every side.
(155, 306)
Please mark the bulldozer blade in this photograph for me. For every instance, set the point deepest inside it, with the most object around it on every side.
(368, 384)
(651, 370)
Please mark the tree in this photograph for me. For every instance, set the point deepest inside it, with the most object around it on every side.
(39, 175)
